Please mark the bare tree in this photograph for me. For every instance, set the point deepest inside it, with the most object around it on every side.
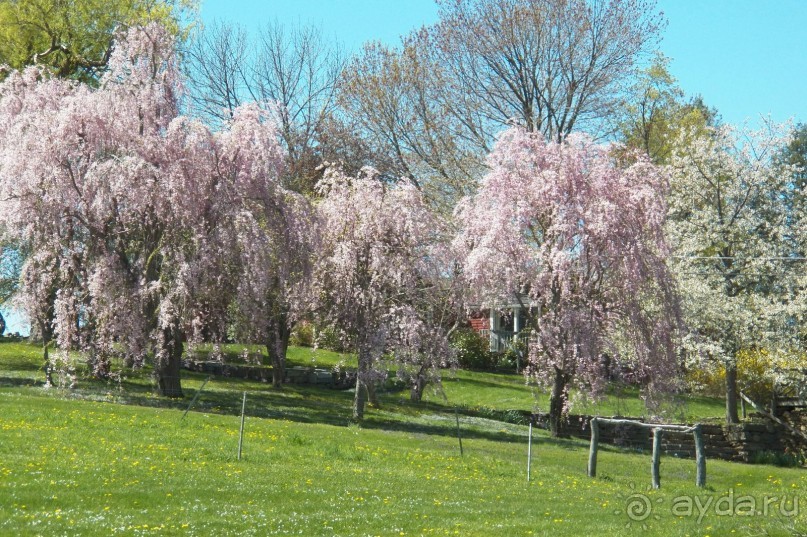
(216, 63)
(298, 69)
(293, 71)
(397, 98)
(550, 65)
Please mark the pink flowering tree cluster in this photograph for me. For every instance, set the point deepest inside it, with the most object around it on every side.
(376, 278)
(276, 241)
(140, 221)
(580, 241)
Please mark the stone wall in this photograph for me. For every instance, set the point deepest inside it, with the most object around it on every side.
(339, 380)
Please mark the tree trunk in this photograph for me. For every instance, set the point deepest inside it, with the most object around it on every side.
(46, 333)
(276, 347)
(47, 366)
(168, 362)
(278, 362)
(359, 399)
(556, 401)
(416, 392)
(731, 393)
(2, 324)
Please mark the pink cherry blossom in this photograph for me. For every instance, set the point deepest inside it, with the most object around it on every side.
(580, 242)
(140, 219)
(377, 264)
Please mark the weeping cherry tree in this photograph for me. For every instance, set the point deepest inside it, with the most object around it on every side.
(129, 208)
(377, 255)
(582, 240)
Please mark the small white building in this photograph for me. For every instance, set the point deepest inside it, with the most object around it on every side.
(501, 324)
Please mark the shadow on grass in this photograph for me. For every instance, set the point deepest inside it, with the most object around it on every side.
(295, 403)
(502, 383)
(20, 382)
(311, 405)
(21, 364)
(298, 404)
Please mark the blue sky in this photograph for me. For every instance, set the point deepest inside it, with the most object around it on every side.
(747, 58)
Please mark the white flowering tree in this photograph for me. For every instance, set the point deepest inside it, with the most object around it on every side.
(583, 240)
(731, 231)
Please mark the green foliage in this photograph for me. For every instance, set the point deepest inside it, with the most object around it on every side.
(473, 350)
(656, 113)
(329, 338)
(74, 38)
(302, 335)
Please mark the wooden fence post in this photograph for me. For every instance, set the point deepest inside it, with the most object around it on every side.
(654, 468)
(459, 437)
(658, 431)
(592, 454)
(241, 431)
(529, 452)
(700, 456)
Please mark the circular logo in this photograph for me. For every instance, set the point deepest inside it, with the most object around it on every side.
(638, 507)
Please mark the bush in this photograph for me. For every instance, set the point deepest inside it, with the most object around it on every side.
(473, 350)
(785, 460)
(329, 338)
(756, 371)
(307, 334)
(302, 335)
(514, 358)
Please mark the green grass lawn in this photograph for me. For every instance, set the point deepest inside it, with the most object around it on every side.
(74, 462)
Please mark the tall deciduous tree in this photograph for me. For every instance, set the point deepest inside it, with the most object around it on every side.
(728, 224)
(561, 224)
(551, 66)
(294, 68)
(793, 159)
(75, 39)
(128, 207)
(373, 269)
(72, 40)
(655, 114)
(397, 99)
(276, 240)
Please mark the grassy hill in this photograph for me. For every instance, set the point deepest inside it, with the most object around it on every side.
(76, 462)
